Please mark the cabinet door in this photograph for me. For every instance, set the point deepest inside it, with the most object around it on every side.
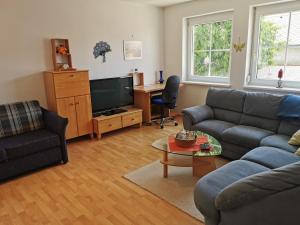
(66, 108)
(84, 114)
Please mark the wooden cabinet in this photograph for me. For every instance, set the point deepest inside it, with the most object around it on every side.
(68, 94)
(104, 124)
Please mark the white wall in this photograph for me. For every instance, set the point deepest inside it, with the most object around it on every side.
(192, 94)
(27, 26)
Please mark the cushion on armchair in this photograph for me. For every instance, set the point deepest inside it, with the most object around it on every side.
(20, 117)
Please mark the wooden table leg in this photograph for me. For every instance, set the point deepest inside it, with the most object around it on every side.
(203, 165)
(165, 159)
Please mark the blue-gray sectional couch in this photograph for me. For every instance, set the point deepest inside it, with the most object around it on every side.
(261, 186)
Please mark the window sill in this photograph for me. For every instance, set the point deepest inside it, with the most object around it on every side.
(209, 84)
(269, 88)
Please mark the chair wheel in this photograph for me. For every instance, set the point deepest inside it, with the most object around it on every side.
(161, 126)
(176, 124)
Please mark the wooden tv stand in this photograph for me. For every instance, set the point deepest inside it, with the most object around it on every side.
(104, 124)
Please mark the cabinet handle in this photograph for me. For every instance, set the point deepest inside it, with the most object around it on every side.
(72, 75)
(132, 119)
(109, 125)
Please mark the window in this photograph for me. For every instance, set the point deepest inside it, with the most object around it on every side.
(209, 48)
(276, 45)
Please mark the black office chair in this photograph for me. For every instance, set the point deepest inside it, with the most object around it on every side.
(168, 99)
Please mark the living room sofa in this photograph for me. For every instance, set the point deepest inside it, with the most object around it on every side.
(262, 185)
(30, 138)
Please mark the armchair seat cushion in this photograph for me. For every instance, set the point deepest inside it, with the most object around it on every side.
(29, 143)
(279, 141)
(246, 136)
(209, 186)
(213, 127)
(271, 157)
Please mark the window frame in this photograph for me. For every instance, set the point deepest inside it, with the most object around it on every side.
(200, 20)
(258, 12)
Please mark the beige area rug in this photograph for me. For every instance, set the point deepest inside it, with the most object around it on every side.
(177, 189)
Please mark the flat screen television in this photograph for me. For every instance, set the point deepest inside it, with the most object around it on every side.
(112, 93)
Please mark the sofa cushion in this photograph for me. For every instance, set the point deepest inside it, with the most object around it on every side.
(271, 157)
(213, 127)
(20, 117)
(29, 143)
(227, 115)
(245, 135)
(231, 99)
(232, 151)
(263, 123)
(278, 141)
(262, 104)
(209, 186)
(288, 127)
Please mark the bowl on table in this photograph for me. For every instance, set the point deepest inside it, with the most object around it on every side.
(185, 139)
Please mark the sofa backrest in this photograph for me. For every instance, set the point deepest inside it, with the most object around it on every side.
(20, 117)
(289, 127)
(260, 110)
(227, 104)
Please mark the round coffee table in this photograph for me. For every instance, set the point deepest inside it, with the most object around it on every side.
(202, 162)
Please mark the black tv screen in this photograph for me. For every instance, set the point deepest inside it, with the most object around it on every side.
(111, 93)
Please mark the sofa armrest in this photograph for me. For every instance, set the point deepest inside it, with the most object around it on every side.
(58, 125)
(258, 186)
(54, 122)
(197, 114)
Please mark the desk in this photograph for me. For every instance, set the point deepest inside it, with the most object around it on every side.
(142, 99)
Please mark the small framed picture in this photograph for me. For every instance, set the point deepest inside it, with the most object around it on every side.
(133, 50)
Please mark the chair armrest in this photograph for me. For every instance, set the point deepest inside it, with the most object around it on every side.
(197, 114)
(258, 186)
(58, 125)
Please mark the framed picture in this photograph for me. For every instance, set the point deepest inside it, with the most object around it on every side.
(133, 50)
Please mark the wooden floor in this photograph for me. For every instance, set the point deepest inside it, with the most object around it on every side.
(90, 188)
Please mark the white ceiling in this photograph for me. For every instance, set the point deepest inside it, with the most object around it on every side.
(161, 3)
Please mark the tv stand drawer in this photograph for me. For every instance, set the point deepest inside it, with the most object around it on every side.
(132, 119)
(103, 124)
(110, 124)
